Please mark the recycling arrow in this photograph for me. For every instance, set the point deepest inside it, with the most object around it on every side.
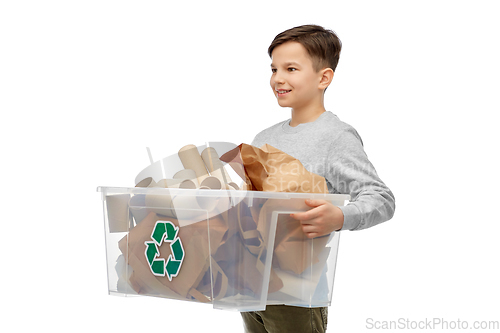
(165, 231)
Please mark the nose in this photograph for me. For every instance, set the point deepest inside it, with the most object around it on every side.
(277, 78)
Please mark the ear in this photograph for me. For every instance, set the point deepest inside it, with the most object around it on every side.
(326, 78)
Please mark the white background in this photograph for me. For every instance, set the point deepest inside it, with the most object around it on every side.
(85, 86)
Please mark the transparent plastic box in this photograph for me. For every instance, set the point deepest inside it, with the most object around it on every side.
(238, 250)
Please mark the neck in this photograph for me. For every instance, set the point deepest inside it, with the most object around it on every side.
(301, 116)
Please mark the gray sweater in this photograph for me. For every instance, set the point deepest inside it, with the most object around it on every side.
(334, 150)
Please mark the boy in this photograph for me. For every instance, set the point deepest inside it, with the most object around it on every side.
(304, 59)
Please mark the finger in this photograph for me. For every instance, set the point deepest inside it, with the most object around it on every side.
(308, 228)
(307, 215)
(312, 234)
(315, 203)
(299, 216)
(304, 216)
(317, 225)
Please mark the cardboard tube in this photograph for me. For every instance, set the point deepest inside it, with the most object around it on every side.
(176, 183)
(146, 182)
(187, 174)
(190, 208)
(214, 165)
(212, 183)
(118, 214)
(160, 204)
(181, 183)
(188, 184)
(216, 168)
(194, 202)
(191, 159)
(137, 207)
(187, 209)
(162, 183)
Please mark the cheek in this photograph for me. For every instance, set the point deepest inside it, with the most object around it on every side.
(271, 84)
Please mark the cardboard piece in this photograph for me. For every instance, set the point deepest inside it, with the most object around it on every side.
(241, 267)
(293, 250)
(194, 267)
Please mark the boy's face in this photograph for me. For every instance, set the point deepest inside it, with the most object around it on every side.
(294, 81)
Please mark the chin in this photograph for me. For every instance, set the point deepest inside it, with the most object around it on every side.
(283, 104)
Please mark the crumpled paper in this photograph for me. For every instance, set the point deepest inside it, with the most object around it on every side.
(269, 169)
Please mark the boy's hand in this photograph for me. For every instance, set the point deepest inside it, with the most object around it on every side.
(321, 220)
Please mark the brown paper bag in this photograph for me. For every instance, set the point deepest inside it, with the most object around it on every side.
(270, 169)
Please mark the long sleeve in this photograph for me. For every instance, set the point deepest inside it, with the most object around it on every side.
(350, 172)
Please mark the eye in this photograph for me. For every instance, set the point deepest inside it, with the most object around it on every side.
(292, 69)
(273, 70)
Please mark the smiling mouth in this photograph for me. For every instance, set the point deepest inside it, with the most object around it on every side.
(282, 92)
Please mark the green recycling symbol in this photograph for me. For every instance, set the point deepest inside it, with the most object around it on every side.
(165, 231)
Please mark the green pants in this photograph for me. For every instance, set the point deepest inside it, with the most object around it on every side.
(289, 319)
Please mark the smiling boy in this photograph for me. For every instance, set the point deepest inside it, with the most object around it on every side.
(296, 84)
(303, 64)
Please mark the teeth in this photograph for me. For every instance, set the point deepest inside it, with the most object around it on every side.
(282, 91)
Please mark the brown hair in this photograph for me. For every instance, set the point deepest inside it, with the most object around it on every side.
(323, 46)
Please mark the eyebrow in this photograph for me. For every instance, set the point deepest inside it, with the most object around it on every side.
(290, 63)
